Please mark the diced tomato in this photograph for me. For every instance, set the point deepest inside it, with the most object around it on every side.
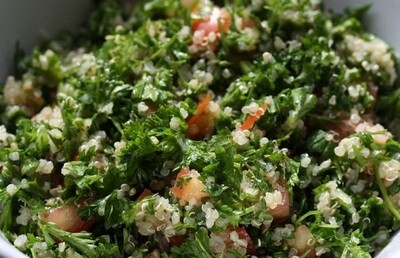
(282, 211)
(342, 128)
(177, 240)
(146, 192)
(189, 187)
(253, 118)
(201, 124)
(242, 232)
(207, 28)
(203, 105)
(217, 19)
(151, 108)
(304, 241)
(347, 123)
(66, 218)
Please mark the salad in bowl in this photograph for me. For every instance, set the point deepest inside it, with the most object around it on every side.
(205, 129)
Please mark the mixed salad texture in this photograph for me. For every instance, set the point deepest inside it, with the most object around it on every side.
(196, 128)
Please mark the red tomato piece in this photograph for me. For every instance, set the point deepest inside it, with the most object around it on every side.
(282, 211)
(177, 240)
(242, 235)
(342, 129)
(242, 232)
(253, 118)
(202, 123)
(188, 187)
(66, 218)
(217, 19)
(146, 192)
(207, 29)
(304, 241)
(347, 123)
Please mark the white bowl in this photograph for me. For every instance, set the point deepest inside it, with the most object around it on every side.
(382, 18)
(9, 251)
(30, 21)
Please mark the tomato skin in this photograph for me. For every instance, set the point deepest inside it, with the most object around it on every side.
(207, 29)
(249, 123)
(282, 211)
(201, 124)
(342, 128)
(66, 218)
(192, 189)
(177, 240)
(346, 124)
(146, 192)
(242, 232)
(217, 19)
(302, 237)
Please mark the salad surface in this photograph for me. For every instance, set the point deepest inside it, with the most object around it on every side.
(246, 128)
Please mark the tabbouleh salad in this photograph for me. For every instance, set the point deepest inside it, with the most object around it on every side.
(246, 128)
